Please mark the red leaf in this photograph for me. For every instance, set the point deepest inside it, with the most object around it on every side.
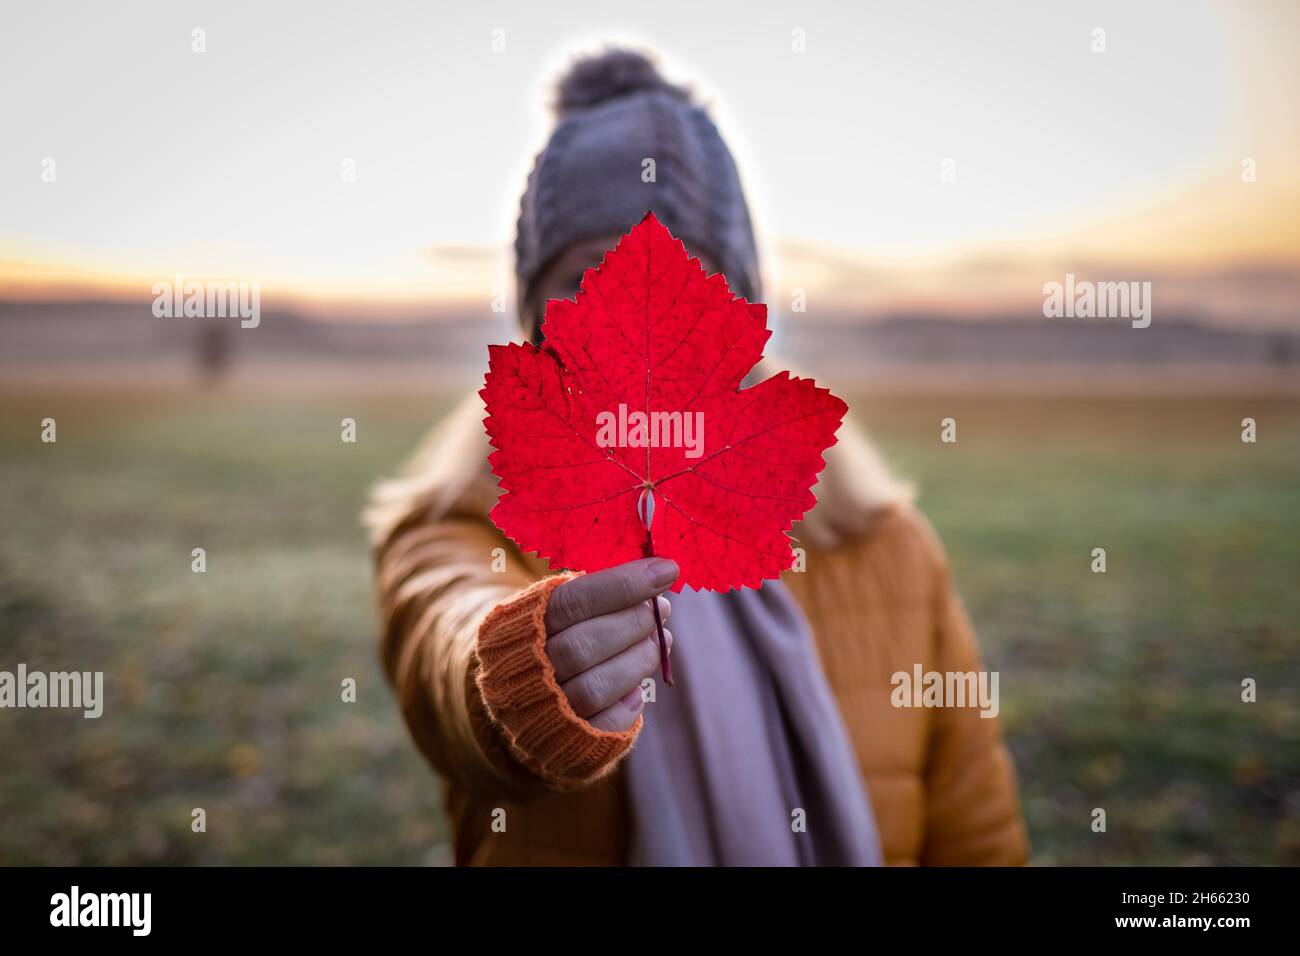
(649, 331)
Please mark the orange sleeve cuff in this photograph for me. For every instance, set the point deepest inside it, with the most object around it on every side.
(517, 682)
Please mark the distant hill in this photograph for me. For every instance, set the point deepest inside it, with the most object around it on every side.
(113, 331)
(913, 340)
(100, 335)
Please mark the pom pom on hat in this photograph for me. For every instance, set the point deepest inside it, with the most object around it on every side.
(594, 79)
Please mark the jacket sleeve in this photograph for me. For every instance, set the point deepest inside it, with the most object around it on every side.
(972, 809)
(453, 594)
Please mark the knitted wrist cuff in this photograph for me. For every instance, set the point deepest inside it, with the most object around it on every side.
(517, 682)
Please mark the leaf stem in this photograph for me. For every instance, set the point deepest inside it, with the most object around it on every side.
(664, 666)
(645, 510)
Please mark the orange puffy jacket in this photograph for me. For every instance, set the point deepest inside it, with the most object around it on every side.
(878, 601)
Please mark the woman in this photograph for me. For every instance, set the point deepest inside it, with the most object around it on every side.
(780, 745)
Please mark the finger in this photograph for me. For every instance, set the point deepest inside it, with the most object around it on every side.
(588, 643)
(603, 592)
(606, 684)
(622, 715)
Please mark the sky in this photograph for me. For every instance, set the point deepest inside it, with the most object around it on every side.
(228, 164)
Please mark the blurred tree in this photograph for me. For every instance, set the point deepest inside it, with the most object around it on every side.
(213, 350)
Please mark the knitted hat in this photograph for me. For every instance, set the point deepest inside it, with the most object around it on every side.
(615, 111)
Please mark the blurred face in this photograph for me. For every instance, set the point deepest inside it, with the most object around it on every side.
(560, 280)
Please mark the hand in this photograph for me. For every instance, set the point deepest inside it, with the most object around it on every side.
(601, 638)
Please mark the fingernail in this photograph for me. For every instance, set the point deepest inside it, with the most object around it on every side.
(665, 607)
(668, 638)
(661, 572)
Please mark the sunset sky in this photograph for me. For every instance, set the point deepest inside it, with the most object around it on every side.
(227, 164)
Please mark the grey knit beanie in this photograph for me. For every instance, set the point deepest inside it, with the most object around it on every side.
(615, 111)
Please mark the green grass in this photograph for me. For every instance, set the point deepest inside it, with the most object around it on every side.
(1119, 690)
(1123, 690)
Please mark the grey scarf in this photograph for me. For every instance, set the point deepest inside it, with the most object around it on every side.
(748, 738)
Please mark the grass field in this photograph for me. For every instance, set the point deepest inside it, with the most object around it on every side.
(1119, 690)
